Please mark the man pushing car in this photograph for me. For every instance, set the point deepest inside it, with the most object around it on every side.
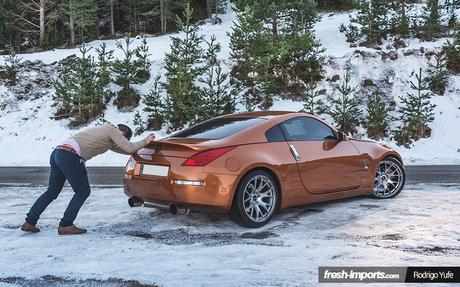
(68, 162)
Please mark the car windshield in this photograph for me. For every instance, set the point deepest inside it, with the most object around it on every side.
(218, 128)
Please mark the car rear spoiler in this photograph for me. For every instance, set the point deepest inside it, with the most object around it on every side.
(174, 148)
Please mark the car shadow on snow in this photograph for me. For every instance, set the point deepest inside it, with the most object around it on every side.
(212, 229)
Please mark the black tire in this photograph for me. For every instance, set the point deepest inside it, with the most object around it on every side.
(402, 181)
(238, 213)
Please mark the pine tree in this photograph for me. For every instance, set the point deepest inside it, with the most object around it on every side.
(86, 18)
(82, 17)
(311, 98)
(34, 16)
(451, 8)
(298, 57)
(138, 122)
(9, 34)
(215, 7)
(105, 58)
(249, 43)
(154, 106)
(126, 70)
(76, 91)
(12, 62)
(216, 97)
(377, 116)
(133, 12)
(416, 113)
(182, 68)
(278, 39)
(344, 109)
(438, 75)
(452, 51)
(335, 5)
(64, 87)
(142, 54)
(163, 10)
(400, 23)
(370, 23)
(431, 26)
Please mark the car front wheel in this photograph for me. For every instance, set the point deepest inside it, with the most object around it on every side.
(256, 199)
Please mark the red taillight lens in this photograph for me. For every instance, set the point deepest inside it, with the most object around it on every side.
(205, 157)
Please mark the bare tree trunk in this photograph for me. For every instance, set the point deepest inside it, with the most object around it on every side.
(136, 20)
(209, 7)
(72, 31)
(274, 24)
(112, 18)
(42, 21)
(162, 16)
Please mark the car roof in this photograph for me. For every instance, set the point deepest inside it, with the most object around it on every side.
(265, 114)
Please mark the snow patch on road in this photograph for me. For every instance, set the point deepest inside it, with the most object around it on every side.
(419, 227)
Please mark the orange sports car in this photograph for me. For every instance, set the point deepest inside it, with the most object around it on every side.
(252, 165)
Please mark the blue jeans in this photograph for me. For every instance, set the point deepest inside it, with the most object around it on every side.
(64, 165)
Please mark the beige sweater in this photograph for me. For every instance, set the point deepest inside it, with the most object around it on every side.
(98, 140)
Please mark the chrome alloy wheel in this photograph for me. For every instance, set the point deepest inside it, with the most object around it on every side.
(259, 198)
(388, 179)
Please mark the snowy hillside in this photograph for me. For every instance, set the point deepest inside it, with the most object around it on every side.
(27, 134)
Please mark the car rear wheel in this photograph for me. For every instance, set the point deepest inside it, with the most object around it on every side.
(389, 179)
(256, 199)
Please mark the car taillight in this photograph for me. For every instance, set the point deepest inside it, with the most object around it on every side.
(205, 157)
(129, 169)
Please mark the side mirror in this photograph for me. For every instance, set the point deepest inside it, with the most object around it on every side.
(341, 136)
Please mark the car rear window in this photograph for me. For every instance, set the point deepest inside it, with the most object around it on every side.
(218, 128)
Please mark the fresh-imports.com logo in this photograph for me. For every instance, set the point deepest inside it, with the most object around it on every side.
(353, 275)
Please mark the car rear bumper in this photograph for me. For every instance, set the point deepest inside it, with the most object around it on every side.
(215, 195)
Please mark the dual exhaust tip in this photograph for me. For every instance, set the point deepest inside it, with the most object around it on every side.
(173, 209)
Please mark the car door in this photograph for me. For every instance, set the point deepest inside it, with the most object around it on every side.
(325, 163)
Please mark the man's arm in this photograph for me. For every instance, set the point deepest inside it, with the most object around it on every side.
(122, 145)
(118, 150)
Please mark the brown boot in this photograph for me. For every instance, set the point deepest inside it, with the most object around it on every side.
(70, 230)
(27, 227)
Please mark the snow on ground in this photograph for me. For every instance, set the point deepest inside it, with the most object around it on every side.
(28, 135)
(418, 228)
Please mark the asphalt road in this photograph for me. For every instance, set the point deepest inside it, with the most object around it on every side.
(17, 176)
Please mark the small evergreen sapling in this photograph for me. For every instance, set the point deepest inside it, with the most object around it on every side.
(126, 71)
(154, 106)
(249, 43)
(400, 22)
(438, 76)
(416, 113)
(183, 67)
(344, 109)
(452, 51)
(377, 119)
(312, 103)
(216, 96)
(432, 26)
(104, 64)
(451, 8)
(77, 92)
(371, 23)
(105, 58)
(138, 123)
(12, 62)
(143, 60)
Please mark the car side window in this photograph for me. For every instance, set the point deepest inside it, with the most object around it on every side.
(275, 134)
(306, 129)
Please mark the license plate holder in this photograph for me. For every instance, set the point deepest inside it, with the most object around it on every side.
(154, 170)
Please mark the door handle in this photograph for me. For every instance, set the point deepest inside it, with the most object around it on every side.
(295, 153)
